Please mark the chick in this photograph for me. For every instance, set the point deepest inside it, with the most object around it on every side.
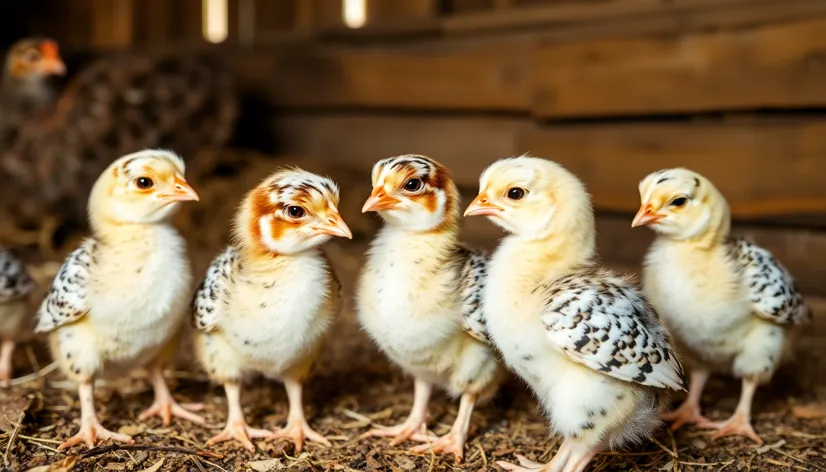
(269, 298)
(728, 302)
(15, 287)
(583, 338)
(29, 64)
(419, 296)
(118, 301)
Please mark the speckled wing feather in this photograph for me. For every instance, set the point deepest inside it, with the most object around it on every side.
(14, 280)
(471, 286)
(211, 296)
(770, 287)
(601, 321)
(66, 301)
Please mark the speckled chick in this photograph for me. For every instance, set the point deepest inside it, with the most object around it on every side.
(269, 298)
(419, 296)
(15, 287)
(729, 304)
(584, 339)
(119, 300)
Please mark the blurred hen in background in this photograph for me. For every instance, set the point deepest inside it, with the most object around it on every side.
(114, 106)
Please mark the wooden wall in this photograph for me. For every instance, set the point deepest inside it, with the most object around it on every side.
(613, 89)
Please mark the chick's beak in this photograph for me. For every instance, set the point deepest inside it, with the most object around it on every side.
(481, 206)
(645, 216)
(379, 200)
(183, 192)
(334, 226)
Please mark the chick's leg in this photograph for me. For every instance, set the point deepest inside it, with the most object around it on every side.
(454, 441)
(412, 428)
(571, 457)
(164, 405)
(91, 431)
(740, 422)
(689, 411)
(297, 428)
(237, 427)
(6, 350)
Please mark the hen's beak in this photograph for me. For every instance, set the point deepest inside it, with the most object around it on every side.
(52, 66)
(645, 216)
(334, 226)
(481, 206)
(51, 62)
(183, 192)
(379, 200)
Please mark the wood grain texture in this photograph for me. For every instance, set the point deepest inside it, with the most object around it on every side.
(776, 66)
(767, 170)
(481, 78)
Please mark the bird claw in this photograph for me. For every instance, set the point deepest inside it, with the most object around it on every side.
(526, 465)
(167, 409)
(737, 425)
(451, 443)
(91, 433)
(297, 430)
(241, 432)
(685, 414)
(401, 433)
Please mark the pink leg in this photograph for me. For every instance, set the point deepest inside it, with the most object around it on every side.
(6, 350)
(164, 405)
(412, 428)
(297, 428)
(91, 431)
(740, 422)
(237, 427)
(689, 411)
(454, 441)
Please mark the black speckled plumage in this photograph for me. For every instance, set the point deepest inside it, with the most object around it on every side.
(212, 294)
(771, 288)
(471, 286)
(14, 280)
(602, 321)
(66, 301)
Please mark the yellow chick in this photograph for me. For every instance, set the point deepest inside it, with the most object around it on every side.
(728, 302)
(15, 287)
(419, 296)
(118, 301)
(269, 298)
(583, 338)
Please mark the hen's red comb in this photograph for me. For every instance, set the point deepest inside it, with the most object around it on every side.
(49, 49)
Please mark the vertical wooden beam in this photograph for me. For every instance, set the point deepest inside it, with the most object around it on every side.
(112, 23)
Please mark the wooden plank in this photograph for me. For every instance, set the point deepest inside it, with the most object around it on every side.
(767, 171)
(777, 66)
(488, 78)
(393, 10)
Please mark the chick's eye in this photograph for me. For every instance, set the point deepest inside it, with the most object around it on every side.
(144, 183)
(516, 193)
(295, 211)
(413, 185)
(678, 202)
